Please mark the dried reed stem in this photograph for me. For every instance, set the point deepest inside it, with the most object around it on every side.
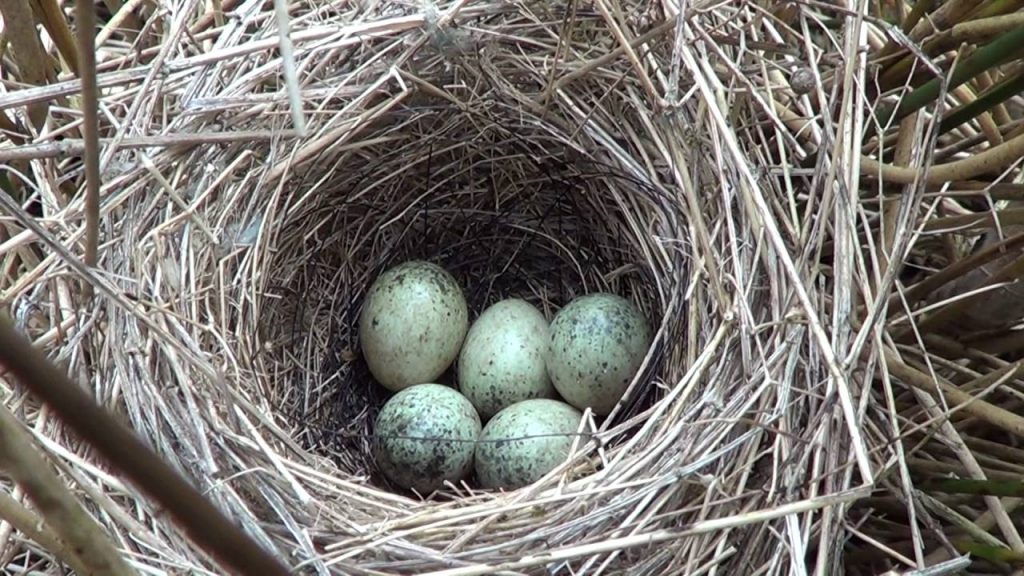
(201, 521)
(84, 539)
(85, 12)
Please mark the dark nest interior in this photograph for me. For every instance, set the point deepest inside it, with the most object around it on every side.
(509, 204)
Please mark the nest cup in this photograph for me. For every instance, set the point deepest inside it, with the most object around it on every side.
(506, 202)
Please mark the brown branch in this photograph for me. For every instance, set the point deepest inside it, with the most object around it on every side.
(81, 533)
(990, 160)
(24, 521)
(27, 51)
(202, 522)
(49, 13)
(954, 396)
(86, 13)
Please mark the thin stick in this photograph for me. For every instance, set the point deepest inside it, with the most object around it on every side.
(23, 520)
(994, 159)
(71, 147)
(26, 51)
(288, 65)
(203, 523)
(85, 12)
(83, 536)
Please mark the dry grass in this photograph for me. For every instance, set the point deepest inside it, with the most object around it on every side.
(805, 378)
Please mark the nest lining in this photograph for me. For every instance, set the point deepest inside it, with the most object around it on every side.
(509, 210)
(253, 257)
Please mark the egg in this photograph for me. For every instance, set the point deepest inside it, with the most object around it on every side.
(424, 435)
(598, 342)
(412, 324)
(524, 442)
(503, 358)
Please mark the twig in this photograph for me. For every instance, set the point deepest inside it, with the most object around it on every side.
(73, 147)
(84, 537)
(988, 412)
(56, 24)
(202, 522)
(26, 50)
(288, 66)
(991, 160)
(86, 15)
(23, 520)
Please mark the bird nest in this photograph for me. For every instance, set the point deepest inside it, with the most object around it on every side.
(535, 150)
(510, 205)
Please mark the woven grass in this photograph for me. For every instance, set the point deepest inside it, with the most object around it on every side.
(535, 150)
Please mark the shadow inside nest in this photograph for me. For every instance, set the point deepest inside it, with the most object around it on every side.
(507, 208)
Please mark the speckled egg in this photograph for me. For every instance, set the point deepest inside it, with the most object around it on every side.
(597, 344)
(524, 442)
(424, 435)
(503, 358)
(412, 324)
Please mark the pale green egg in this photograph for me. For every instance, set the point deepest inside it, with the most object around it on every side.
(424, 435)
(525, 441)
(598, 342)
(503, 358)
(412, 324)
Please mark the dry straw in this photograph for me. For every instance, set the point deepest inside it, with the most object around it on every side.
(538, 150)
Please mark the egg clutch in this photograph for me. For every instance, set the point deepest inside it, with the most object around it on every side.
(527, 380)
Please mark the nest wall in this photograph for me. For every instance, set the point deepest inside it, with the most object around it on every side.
(246, 260)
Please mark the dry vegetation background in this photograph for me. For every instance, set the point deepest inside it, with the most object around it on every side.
(818, 204)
